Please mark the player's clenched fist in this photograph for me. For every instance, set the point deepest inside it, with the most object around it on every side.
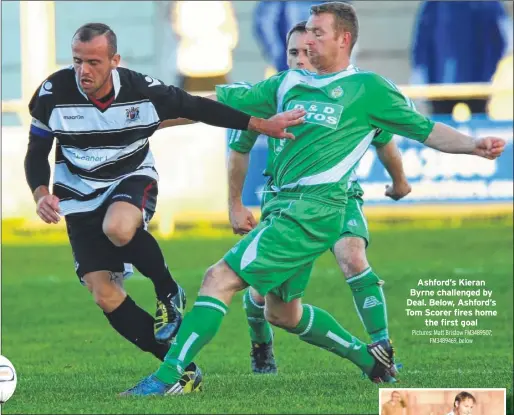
(489, 147)
(48, 208)
(398, 190)
(241, 219)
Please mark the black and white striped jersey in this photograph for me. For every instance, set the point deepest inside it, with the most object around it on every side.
(98, 147)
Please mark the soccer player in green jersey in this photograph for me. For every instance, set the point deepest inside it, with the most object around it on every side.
(349, 250)
(345, 108)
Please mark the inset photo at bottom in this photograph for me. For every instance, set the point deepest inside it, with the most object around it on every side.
(447, 401)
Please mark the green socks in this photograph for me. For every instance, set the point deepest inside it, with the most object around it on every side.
(319, 328)
(199, 326)
(259, 328)
(369, 301)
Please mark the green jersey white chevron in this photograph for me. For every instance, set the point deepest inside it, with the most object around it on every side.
(345, 112)
(244, 141)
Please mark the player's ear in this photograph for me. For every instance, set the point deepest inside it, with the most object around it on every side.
(344, 40)
(115, 60)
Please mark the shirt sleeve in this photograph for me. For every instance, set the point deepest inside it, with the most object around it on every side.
(259, 100)
(242, 141)
(389, 110)
(41, 137)
(382, 138)
(171, 102)
(40, 108)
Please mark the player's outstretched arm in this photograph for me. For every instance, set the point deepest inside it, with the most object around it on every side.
(389, 155)
(391, 111)
(175, 123)
(215, 113)
(171, 102)
(241, 218)
(220, 115)
(448, 140)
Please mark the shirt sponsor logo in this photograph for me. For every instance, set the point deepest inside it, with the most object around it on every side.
(83, 157)
(320, 113)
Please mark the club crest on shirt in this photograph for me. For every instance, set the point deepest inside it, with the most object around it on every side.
(337, 92)
(132, 114)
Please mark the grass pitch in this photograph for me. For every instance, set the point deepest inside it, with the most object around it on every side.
(69, 360)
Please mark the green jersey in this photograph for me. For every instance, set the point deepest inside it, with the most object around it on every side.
(345, 112)
(354, 187)
(244, 141)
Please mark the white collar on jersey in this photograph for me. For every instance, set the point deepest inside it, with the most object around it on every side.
(115, 81)
(348, 68)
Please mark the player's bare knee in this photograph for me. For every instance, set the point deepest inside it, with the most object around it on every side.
(276, 319)
(355, 265)
(283, 321)
(281, 314)
(107, 292)
(221, 281)
(119, 232)
(271, 317)
(121, 222)
(214, 277)
(109, 297)
(351, 256)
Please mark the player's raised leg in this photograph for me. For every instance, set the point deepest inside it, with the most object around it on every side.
(262, 356)
(100, 268)
(261, 334)
(366, 286)
(200, 325)
(317, 327)
(368, 296)
(132, 322)
(123, 314)
(124, 225)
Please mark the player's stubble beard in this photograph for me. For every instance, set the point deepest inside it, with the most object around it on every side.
(105, 81)
(320, 62)
(314, 60)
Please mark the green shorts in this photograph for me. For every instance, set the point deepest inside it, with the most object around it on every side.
(355, 223)
(277, 256)
(267, 194)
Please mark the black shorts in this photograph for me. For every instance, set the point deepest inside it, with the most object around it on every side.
(92, 250)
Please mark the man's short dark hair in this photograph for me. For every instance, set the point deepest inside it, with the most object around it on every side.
(87, 32)
(298, 27)
(462, 397)
(345, 17)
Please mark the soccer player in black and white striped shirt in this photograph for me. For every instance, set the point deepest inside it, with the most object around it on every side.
(105, 181)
